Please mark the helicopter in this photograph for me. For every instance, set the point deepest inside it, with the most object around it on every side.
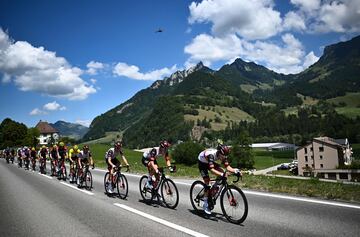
(159, 30)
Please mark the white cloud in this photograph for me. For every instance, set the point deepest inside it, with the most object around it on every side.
(307, 5)
(53, 106)
(37, 111)
(93, 81)
(341, 16)
(251, 19)
(133, 72)
(294, 21)
(36, 69)
(84, 122)
(285, 57)
(209, 49)
(310, 59)
(93, 67)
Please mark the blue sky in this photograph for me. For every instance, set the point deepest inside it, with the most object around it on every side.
(73, 60)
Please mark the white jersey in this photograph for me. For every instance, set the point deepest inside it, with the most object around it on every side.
(203, 156)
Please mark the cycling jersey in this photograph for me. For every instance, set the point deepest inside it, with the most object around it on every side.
(54, 154)
(62, 151)
(113, 154)
(84, 156)
(33, 154)
(43, 152)
(74, 153)
(209, 156)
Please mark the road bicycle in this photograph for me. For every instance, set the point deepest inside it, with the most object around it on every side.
(53, 166)
(119, 181)
(169, 194)
(84, 177)
(43, 165)
(233, 202)
(62, 173)
(33, 163)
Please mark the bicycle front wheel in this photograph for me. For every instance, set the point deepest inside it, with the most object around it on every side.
(146, 193)
(122, 186)
(234, 204)
(169, 193)
(106, 182)
(197, 191)
(88, 180)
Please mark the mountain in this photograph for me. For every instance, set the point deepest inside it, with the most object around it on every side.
(199, 100)
(139, 106)
(72, 130)
(250, 75)
(334, 74)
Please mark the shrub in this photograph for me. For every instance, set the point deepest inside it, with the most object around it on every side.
(187, 153)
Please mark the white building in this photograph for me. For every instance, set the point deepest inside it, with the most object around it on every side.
(276, 146)
(46, 133)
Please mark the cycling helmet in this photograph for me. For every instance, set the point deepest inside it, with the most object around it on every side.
(164, 144)
(118, 144)
(54, 146)
(223, 149)
(43, 146)
(153, 152)
(33, 149)
(86, 147)
(61, 144)
(76, 147)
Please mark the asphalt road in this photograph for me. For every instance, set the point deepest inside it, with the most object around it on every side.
(35, 205)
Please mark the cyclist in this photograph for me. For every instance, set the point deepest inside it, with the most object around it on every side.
(112, 162)
(12, 155)
(84, 159)
(149, 161)
(54, 156)
(73, 157)
(33, 156)
(19, 155)
(7, 154)
(62, 153)
(42, 155)
(26, 156)
(206, 161)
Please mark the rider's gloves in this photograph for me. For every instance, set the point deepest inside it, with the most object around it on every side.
(93, 166)
(237, 172)
(171, 169)
(223, 176)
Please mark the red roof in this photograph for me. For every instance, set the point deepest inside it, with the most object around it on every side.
(44, 127)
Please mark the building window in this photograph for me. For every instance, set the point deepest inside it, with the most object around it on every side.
(321, 157)
(306, 165)
(311, 149)
(321, 149)
(305, 150)
(312, 157)
(312, 165)
(306, 159)
(321, 166)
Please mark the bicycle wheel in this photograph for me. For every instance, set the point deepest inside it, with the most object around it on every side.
(169, 193)
(64, 173)
(197, 190)
(122, 186)
(106, 178)
(234, 204)
(146, 193)
(88, 180)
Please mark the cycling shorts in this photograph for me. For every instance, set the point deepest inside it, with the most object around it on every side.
(204, 168)
(115, 161)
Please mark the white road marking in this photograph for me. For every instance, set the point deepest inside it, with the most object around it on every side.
(73, 187)
(339, 204)
(303, 199)
(161, 221)
(46, 176)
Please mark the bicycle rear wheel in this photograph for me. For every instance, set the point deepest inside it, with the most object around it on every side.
(88, 180)
(106, 178)
(169, 193)
(146, 193)
(197, 191)
(122, 186)
(234, 204)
